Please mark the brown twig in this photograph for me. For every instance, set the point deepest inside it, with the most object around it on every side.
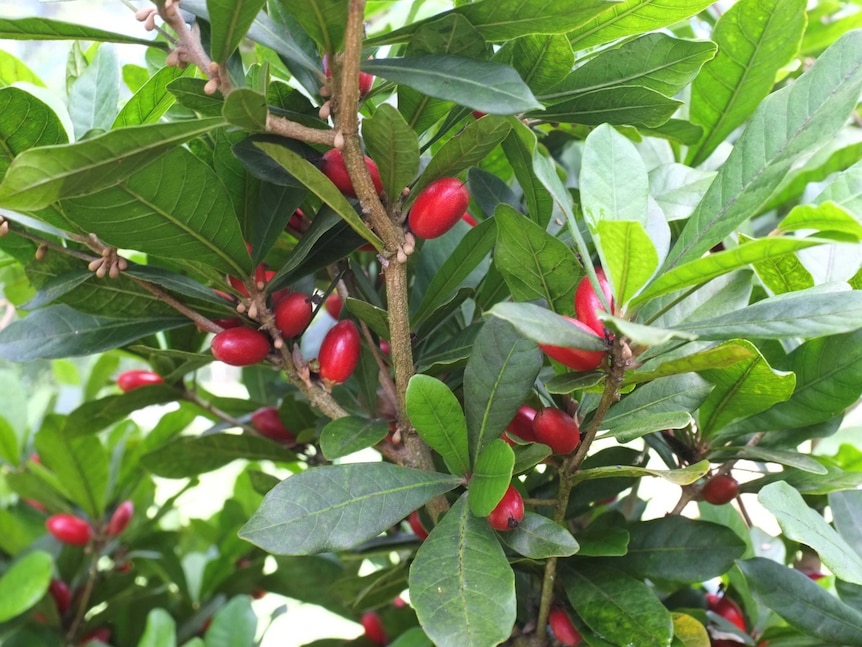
(286, 128)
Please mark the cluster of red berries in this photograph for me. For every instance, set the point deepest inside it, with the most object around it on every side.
(550, 426)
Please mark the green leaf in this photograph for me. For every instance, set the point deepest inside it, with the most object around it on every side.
(798, 314)
(181, 204)
(190, 94)
(689, 631)
(812, 109)
(160, 630)
(683, 476)
(24, 583)
(616, 606)
(628, 253)
(654, 61)
(632, 105)
(94, 95)
(8, 442)
(490, 87)
(47, 29)
(633, 17)
(800, 523)
(453, 274)
(60, 331)
(755, 38)
(701, 270)
(14, 70)
(520, 147)
(461, 584)
(634, 427)
(783, 274)
(152, 100)
(678, 188)
(96, 415)
(679, 549)
(246, 109)
(436, 414)
(540, 59)
(337, 507)
(742, 390)
(280, 32)
(321, 186)
(763, 454)
(802, 603)
(545, 327)
(393, 145)
(376, 318)
(538, 537)
(534, 264)
(722, 356)
(350, 434)
(323, 20)
(230, 20)
(234, 625)
(499, 375)
(491, 477)
(40, 176)
(827, 218)
(192, 455)
(80, 464)
(846, 510)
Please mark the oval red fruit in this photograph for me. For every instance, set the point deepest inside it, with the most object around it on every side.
(588, 304)
(240, 346)
(416, 525)
(727, 608)
(438, 207)
(102, 634)
(135, 379)
(333, 305)
(335, 169)
(557, 430)
(522, 424)
(509, 512)
(575, 358)
(373, 626)
(365, 82)
(339, 352)
(267, 421)
(69, 529)
(62, 595)
(120, 519)
(720, 489)
(293, 314)
(563, 629)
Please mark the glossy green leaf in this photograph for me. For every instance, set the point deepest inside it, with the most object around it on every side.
(14, 70)
(246, 109)
(679, 549)
(755, 38)
(234, 625)
(634, 427)
(60, 331)
(802, 603)
(499, 375)
(701, 270)
(40, 176)
(160, 630)
(545, 327)
(628, 253)
(152, 100)
(800, 523)
(393, 145)
(566, 383)
(350, 434)
(96, 415)
(520, 147)
(742, 390)
(461, 584)
(80, 464)
(535, 264)
(678, 188)
(721, 356)
(190, 94)
(763, 454)
(783, 274)
(47, 29)
(623, 610)
(683, 476)
(538, 537)
(540, 59)
(94, 94)
(812, 109)
(827, 218)
(436, 414)
(323, 20)
(847, 517)
(632, 105)
(479, 85)
(453, 274)
(24, 583)
(230, 20)
(192, 455)
(490, 477)
(337, 507)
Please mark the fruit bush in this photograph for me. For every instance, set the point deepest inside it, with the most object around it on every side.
(657, 282)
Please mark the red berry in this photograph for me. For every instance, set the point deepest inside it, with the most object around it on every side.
(557, 430)
(339, 352)
(240, 346)
(262, 276)
(720, 489)
(385, 347)
(333, 305)
(269, 424)
(365, 82)
(416, 525)
(478, 114)
(575, 358)
(102, 634)
(373, 628)
(438, 207)
(62, 595)
(235, 322)
(120, 519)
(293, 314)
(522, 424)
(469, 219)
(727, 608)
(563, 629)
(298, 221)
(509, 512)
(257, 593)
(588, 304)
(135, 379)
(335, 169)
(69, 529)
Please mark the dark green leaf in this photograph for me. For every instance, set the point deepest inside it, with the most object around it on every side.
(618, 105)
(351, 434)
(520, 147)
(461, 584)
(323, 20)
(545, 327)
(245, 109)
(538, 537)
(491, 477)
(190, 94)
(230, 20)
(540, 59)
(47, 29)
(24, 583)
(436, 414)
(376, 318)
(763, 454)
(847, 517)
(337, 507)
(393, 145)
(191, 455)
(96, 415)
